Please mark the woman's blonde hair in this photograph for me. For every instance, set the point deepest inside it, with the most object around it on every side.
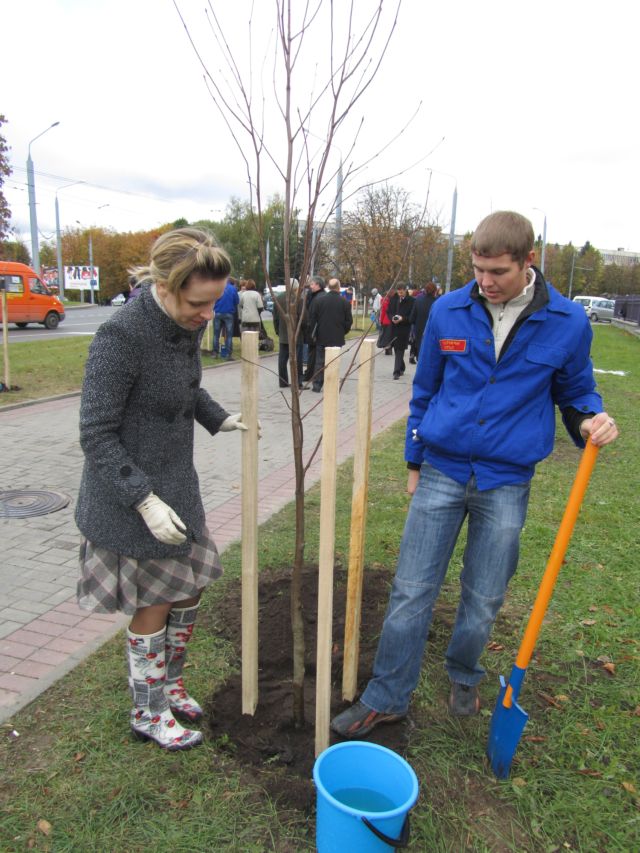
(178, 254)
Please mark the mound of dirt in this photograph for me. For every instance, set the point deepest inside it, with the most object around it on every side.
(267, 743)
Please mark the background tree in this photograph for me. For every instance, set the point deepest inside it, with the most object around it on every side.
(15, 250)
(377, 236)
(5, 171)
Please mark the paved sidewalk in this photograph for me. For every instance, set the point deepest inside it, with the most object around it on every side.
(43, 633)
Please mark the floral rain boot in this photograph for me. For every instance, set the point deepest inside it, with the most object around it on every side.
(179, 630)
(151, 717)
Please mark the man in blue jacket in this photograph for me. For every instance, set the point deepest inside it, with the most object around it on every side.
(225, 310)
(497, 356)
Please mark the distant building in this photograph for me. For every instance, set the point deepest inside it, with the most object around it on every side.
(619, 257)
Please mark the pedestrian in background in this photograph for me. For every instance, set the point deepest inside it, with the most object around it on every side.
(224, 317)
(331, 317)
(249, 307)
(280, 326)
(316, 287)
(399, 311)
(418, 319)
(146, 550)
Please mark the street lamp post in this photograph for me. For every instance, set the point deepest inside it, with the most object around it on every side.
(35, 251)
(452, 235)
(59, 238)
(452, 228)
(92, 281)
(544, 239)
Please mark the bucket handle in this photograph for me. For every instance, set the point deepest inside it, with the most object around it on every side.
(403, 841)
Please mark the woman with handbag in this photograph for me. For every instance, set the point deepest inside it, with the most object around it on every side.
(146, 550)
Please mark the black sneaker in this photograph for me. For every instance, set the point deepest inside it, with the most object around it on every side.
(358, 720)
(464, 701)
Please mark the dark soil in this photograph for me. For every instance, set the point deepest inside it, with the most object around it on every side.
(280, 756)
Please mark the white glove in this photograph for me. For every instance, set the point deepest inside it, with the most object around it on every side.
(165, 524)
(235, 422)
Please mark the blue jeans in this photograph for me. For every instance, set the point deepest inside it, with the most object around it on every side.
(219, 321)
(437, 512)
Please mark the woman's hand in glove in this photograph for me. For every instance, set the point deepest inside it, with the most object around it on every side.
(235, 422)
(165, 524)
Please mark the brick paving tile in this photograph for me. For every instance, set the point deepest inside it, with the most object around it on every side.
(60, 644)
(19, 683)
(30, 638)
(83, 635)
(7, 663)
(62, 618)
(32, 668)
(48, 656)
(36, 608)
(49, 629)
(15, 650)
(70, 607)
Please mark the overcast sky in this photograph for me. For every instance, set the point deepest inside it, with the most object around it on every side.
(529, 106)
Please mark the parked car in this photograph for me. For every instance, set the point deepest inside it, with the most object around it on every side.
(118, 299)
(597, 307)
(29, 300)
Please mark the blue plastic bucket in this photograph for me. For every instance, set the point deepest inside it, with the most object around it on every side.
(364, 795)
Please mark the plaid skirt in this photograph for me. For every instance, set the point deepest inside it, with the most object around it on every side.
(113, 582)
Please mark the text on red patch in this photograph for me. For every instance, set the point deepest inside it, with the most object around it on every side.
(453, 344)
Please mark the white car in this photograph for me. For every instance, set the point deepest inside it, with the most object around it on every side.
(118, 300)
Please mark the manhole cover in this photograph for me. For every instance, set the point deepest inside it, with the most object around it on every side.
(24, 503)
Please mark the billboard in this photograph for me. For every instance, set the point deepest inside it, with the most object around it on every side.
(79, 278)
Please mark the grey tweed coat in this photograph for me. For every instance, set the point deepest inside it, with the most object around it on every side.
(140, 397)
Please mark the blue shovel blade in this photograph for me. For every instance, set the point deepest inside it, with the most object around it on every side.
(505, 731)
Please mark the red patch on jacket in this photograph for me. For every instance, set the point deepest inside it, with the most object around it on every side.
(453, 344)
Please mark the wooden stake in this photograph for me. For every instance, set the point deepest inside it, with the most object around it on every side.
(327, 545)
(5, 342)
(249, 406)
(358, 519)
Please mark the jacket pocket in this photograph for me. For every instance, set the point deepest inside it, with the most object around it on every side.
(549, 356)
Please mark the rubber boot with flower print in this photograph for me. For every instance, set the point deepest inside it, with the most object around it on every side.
(179, 630)
(151, 717)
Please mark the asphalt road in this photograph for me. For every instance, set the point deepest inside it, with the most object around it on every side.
(78, 321)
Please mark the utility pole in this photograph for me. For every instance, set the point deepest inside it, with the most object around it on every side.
(31, 184)
(452, 234)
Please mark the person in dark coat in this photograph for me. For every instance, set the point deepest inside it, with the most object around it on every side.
(330, 318)
(145, 548)
(280, 327)
(418, 319)
(399, 312)
(316, 287)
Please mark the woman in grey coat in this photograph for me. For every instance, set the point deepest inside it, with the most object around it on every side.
(146, 549)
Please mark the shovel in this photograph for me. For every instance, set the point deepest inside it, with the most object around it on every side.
(509, 719)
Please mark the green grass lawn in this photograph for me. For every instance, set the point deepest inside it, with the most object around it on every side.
(575, 783)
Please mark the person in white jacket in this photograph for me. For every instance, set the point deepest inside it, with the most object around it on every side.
(250, 306)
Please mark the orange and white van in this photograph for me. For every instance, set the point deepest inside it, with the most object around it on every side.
(29, 300)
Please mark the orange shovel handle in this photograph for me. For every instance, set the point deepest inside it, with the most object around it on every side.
(554, 563)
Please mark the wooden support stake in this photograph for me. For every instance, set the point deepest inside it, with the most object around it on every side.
(249, 406)
(327, 545)
(358, 519)
(5, 341)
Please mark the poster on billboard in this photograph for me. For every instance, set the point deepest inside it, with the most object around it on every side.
(79, 278)
(50, 277)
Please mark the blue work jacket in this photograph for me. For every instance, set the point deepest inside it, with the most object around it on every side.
(473, 414)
